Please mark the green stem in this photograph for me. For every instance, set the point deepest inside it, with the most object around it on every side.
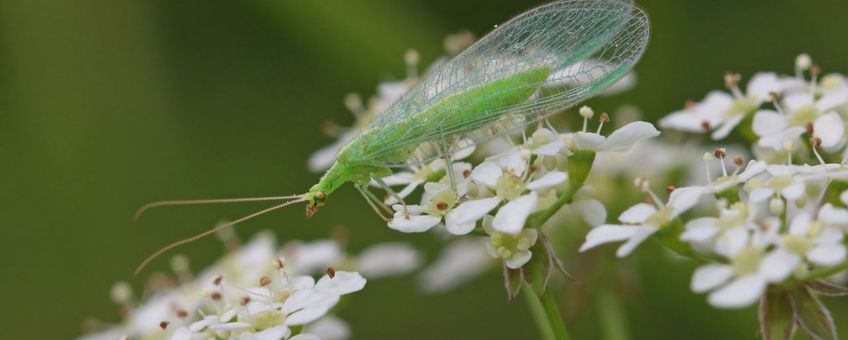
(613, 320)
(553, 316)
(539, 316)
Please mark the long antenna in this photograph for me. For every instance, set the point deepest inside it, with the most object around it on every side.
(209, 232)
(152, 205)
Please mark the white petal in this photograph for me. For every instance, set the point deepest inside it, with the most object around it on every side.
(626, 136)
(741, 292)
(589, 141)
(715, 103)
(181, 333)
(726, 127)
(548, 180)
(730, 242)
(607, 233)
(310, 314)
(413, 223)
(761, 84)
(792, 102)
(518, 260)
(403, 193)
(511, 217)
(398, 178)
(341, 283)
(487, 173)
(794, 191)
(459, 262)
(830, 129)
(513, 162)
(827, 254)
(273, 333)
(328, 328)
(593, 212)
(700, 230)
(388, 259)
(753, 168)
(642, 233)
(800, 223)
(462, 219)
(832, 215)
(710, 276)
(305, 336)
(831, 100)
(637, 213)
(551, 148)
(463, 152)
(683, 199)
(777, 265)
(768, 122)
(757, 195)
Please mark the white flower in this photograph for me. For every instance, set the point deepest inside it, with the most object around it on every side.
(430, 172)
(783, 181)
(545, 142)
(513, 249)
(620, 140)
(273, 310)
(459, 262)
(439, 200)
(743, 281)
(641, 221)
(813, 240)
(388, 259)
(720, 111)
(506, 178)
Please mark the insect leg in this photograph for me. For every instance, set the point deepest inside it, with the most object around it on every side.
(388, 189)
(448, 164)
(369, 199)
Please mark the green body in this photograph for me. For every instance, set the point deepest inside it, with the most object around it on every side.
(481, 104)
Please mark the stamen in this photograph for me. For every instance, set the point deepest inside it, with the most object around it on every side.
(645, 186)
(587, 113)
(353, 102)
(740, 164)
(816, 143)
(604, 117)
(331, 272)
(707, 158)
(720, 153)
(731, 81)
(411, 57)
(775, 100)
(815, 70)
(802, 63)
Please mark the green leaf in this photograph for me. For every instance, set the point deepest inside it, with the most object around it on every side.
(538, 271)
(827, 288)
(811, 314)
(777, 318)
(512, 282)
(834, 189)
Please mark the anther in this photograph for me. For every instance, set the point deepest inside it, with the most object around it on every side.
(245, 300)
(264, 281)
(280, 263)
(706, 125)
(331, 272)
(182, 313)
(720, 153)
(215, 296)
(816, 142)
(604, 117)
(164, 324)
(466, 173)
(739, 161)
(670, 188)
(731, 80)
(442, 206)
(217, 280)
(810, 128)
(774, 96)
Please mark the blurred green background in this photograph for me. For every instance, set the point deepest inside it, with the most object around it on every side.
(106, 105)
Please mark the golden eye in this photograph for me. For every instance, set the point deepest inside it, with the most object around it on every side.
(320, 196)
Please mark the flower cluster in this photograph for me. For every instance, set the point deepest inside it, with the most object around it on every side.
(771, 230)
(256, 291)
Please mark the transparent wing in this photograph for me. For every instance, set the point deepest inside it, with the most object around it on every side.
(585, 44)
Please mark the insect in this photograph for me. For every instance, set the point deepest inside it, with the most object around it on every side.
(538, 63)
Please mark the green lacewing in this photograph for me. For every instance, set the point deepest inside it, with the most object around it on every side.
(540, 62)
